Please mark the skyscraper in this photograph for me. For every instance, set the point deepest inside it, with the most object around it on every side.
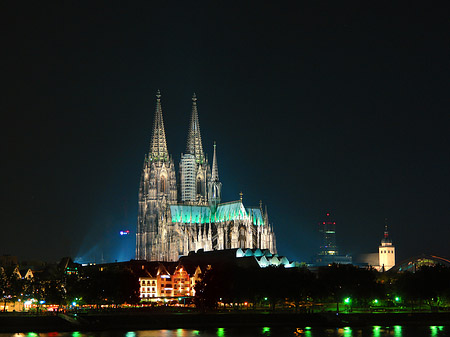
(174, 219)
(328, 250)
(327, 229)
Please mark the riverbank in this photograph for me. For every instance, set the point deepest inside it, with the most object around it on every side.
(134, 320)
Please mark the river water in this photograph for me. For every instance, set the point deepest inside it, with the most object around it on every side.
(370, 331)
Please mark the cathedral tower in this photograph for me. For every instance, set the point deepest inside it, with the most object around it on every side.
(194, 169)
(157, 189)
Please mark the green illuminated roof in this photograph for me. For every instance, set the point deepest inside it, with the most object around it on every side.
(256, 215)
(225, 212)
(190, 214)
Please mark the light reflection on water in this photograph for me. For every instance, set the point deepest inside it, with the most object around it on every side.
(370, 331)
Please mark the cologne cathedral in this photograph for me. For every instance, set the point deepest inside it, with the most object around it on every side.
(184, 213)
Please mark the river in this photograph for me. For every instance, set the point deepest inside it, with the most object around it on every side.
(369, 331)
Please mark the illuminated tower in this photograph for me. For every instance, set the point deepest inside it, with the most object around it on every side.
(214, 185)
(327, 229)
(386, 252)
(194, 169)
(157, 189)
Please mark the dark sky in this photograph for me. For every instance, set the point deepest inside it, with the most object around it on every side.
(315, 106)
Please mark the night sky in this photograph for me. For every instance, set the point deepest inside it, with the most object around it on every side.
(315, 106)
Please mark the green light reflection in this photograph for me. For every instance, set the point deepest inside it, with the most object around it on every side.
(266, 330)
(376, 331)
(220, 332)
(130, 334)
(32, 334)
(397, 331)
(308, 333)
(348, 331)
(434, 330)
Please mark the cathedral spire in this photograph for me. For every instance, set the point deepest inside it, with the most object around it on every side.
(158, 145)
(194, 141)
(215, 170)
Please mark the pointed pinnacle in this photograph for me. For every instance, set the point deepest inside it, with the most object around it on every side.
(194, 97)
(158, 94)
(215, 170)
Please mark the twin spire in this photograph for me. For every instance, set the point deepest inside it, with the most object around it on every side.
(194, 141)
(158, 145)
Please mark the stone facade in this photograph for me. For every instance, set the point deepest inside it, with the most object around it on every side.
(175, 219)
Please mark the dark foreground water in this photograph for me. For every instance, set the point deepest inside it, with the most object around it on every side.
(370, 331)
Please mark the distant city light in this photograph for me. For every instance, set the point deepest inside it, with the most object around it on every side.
(124, 232)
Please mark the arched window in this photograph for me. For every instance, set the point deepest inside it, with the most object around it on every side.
(199, 186)
(241, 237)
(163, 184)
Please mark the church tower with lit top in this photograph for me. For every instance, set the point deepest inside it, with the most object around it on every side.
(386, 252)
(175, 219)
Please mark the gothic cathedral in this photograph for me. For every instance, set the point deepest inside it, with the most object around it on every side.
(174, 219)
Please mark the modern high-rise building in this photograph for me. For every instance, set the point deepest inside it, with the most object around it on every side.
(386, 252)
(176, 218)
(327, 229)
(328, 250)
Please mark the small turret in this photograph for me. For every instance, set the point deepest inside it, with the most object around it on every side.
(214, 186)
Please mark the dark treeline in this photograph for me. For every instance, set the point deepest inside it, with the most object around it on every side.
(271, 288)
(340, 284)
(88, 286)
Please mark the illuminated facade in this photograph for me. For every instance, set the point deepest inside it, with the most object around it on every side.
(179, 283)
(386, 252)
(174, 219)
